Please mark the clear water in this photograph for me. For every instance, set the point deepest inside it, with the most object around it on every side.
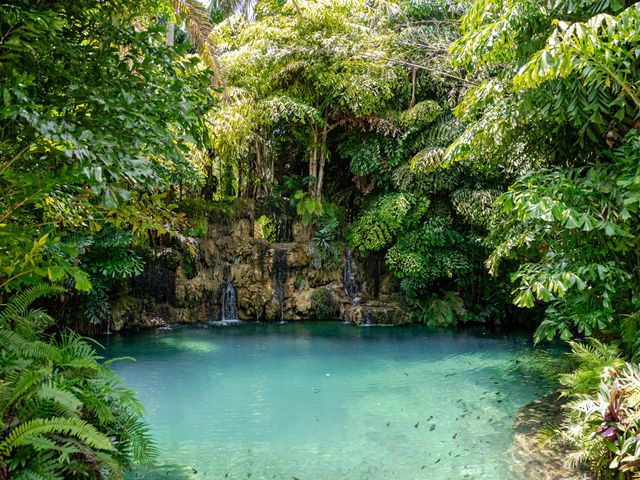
(328, 401)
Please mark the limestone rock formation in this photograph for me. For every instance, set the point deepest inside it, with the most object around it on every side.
(272, 281)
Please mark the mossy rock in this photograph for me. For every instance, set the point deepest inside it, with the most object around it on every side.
(324, 305)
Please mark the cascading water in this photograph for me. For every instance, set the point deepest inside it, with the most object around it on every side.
(228, 306)
(280, 274)
(349, 283)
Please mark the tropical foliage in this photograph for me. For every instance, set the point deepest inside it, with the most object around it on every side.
(99, 114)
(63, 413)
(476, 146)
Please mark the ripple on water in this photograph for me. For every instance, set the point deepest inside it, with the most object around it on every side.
(328, 401)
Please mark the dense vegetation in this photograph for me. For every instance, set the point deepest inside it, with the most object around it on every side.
(487, 150)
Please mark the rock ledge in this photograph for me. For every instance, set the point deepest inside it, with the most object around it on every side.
(531, 459)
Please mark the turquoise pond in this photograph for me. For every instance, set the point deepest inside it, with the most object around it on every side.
(328, 401)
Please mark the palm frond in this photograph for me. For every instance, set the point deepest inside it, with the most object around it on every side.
(198, 27)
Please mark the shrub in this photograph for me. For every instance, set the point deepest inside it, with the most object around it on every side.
(63, 414)
(323, 305)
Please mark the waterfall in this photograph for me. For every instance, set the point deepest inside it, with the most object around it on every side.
(349, 283)
(228, 307)
(280, 277)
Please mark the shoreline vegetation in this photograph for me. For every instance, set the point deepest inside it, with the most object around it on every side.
(446, 162)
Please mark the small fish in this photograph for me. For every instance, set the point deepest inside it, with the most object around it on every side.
(500, 401)
(430, 417)
(406, 374)
(459, 400)
(423, 467)
(478, 417)
(432, 427)
(416, 425)
(388, 423)
(455, 435)
(450, 375)
(194, 470)
(294, 478)
(437, 461)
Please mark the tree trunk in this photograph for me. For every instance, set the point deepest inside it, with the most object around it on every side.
(413, 86)
(258, 163)
(323, 156)
(240, 176)
(313, 161)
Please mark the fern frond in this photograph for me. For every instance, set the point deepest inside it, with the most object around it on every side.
(63, 398)
(30, 474)
(19, 386)
(440, 313)
(38, 427)
(21, 347)
(77, 346)
(19, 304)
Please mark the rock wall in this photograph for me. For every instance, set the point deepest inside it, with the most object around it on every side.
(272, 282)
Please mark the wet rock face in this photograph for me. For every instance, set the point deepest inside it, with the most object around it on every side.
(374, 313)
(533, 460)
(268, 282)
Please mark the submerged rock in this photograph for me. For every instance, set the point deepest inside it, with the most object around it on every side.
(374, 313)
(531, 458)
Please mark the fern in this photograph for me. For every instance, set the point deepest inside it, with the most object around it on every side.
(591, 358)
(18, 306)
(20, 346)
(20, 385)
(58, 425)
(65, 414)
(378, 226)
(68, 402)
(444, 309)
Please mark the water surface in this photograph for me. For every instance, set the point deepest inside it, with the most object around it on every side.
(328, 401)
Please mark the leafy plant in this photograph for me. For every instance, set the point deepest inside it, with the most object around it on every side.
(603, 421)
(323, 305)
(63, 413)
(576, 235)
(91, 129)
(379, 225)
(441, 309)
